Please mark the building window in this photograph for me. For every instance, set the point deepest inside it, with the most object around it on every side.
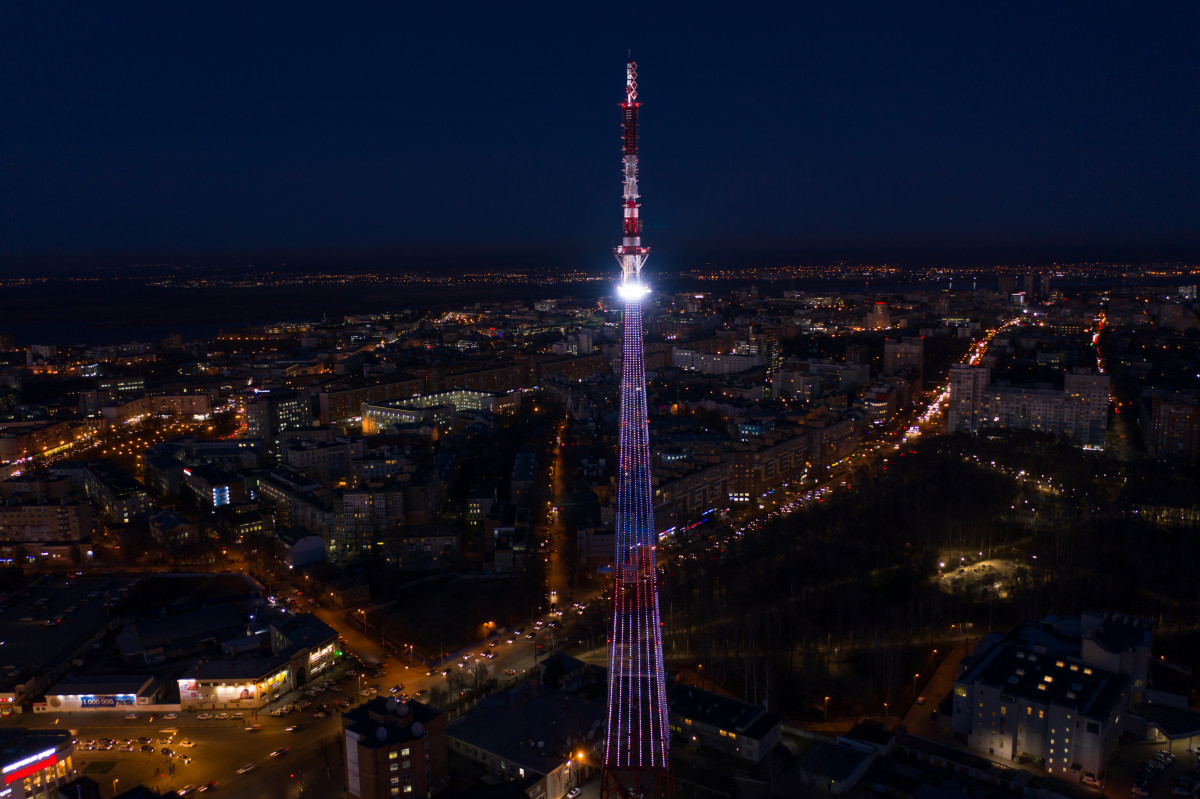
(392, 755)
(405, 751)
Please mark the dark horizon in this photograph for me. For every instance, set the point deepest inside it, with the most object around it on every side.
(950, 134)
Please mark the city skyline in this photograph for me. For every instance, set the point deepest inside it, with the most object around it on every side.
(874, 133)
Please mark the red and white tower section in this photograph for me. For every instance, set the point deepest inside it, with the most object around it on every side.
(637, 761)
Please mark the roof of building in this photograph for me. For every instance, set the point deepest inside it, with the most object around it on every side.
(304, 630)
(1119, 632)
(101, 684)
(1049, 680)
(159, 630)
(294, 535)
(168, 519)
(1169, 678)
(394, 717)
(719, 711)
(1175, 722)
(248, 668)
(833, 761)
(18, 743)
(532, 726)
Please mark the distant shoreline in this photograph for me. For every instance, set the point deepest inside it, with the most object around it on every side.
(102, 312)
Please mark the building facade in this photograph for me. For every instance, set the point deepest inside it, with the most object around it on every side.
(394, 749)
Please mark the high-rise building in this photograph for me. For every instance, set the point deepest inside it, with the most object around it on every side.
(1173, 432)
(900, 353)
(637, 760)
(269, 413)
(394, 749)
(966, 395)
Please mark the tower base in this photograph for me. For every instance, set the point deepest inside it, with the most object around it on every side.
(644, 783)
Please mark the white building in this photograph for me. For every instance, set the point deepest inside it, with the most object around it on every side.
(1054, 690)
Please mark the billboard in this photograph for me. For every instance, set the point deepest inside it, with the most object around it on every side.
(107, 701)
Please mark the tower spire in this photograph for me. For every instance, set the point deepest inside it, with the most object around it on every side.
(631, 254)
(637, 757)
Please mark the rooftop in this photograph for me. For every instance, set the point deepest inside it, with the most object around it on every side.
(1047, 679)
(532, 726)
(396, 719)
(720, 711)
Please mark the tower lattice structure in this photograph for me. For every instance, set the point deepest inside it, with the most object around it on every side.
(637, 757)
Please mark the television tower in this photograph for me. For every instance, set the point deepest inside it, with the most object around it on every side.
(637, 756)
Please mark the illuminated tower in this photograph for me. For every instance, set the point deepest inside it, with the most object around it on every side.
(637, 750)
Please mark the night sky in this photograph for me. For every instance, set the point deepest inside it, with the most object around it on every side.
(442, 135)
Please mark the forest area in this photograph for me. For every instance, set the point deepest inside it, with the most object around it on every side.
(842, 597)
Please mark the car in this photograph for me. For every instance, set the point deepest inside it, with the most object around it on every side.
(422, 692)
(125, 748)
(510, 672)
(1181, 790)
(574, 792)
(186, 744)
(246, 768)
(222, 716)
(171, 716)
(920, 700)
(204, 716)
(163, 751)
(320, 714)
(147, 748)
(163, 741)
(294, 728)
(206, 787)
(253, 728)
(143, 740)
(238, 714)
(131, 717)
(186, 790)
(280, 751)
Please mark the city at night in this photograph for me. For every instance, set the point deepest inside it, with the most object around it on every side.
(553, 402)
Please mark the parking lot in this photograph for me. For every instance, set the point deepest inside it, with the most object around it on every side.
(1144, 769)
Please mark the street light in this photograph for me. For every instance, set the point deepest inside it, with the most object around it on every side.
(915, 676)
(826, 708)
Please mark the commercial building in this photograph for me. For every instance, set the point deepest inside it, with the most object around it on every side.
(440, 408)
(301, 648)
(394, 749)
(343, 400)
(35, 763)
(99, 693)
